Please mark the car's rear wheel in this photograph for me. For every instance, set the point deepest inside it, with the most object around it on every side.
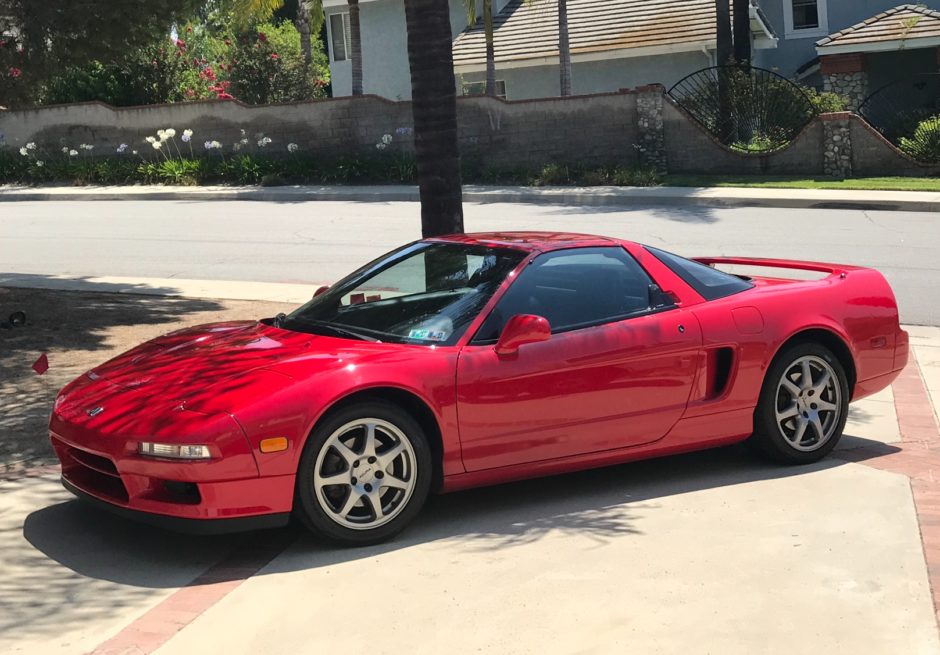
(803, 405)
(364, 474)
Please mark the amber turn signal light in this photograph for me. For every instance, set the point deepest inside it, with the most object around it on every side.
(274, 444)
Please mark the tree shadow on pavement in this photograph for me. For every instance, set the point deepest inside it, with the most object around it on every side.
(74, 556)
(78, 330)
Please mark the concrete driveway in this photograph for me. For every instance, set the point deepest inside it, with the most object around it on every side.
(714, 552)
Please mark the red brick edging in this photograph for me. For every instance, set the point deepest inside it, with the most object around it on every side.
(161, 623)
(918, 457)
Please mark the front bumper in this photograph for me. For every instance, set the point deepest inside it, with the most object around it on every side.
(187, 525)
(106, 468)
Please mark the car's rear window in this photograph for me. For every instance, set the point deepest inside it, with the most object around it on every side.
(710, 283)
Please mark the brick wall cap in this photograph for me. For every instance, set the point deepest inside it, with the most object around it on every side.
(837, 116)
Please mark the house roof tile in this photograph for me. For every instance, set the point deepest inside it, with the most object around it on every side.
(528, 29)
(903, 22)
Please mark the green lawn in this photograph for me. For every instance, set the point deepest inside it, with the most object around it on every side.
(779, 182)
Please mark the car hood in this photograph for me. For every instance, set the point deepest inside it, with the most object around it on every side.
(181, 363)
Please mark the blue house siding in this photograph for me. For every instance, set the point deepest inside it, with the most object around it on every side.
(795, 50)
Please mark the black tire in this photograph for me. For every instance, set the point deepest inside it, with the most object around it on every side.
(318, 519)
(771, 436)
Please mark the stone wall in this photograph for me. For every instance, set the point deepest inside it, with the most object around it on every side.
(853, 86)
(641, 126)
(837, 145)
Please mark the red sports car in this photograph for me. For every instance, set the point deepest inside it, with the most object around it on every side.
(472, 360)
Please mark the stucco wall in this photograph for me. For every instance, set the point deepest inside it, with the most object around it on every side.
(689, 149)
(591, 129)
(598, 129)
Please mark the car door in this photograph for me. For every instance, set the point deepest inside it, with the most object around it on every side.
(615, 373)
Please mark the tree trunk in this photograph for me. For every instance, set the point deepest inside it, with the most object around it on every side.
(303, 26)
(434, 106)
(490, 48)
(564, 48)
(355, 47)
(742, 31)
(724, 52)
(724, 46)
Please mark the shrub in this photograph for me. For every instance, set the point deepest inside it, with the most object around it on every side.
(264, 65)
(826, 102)
(924, 144)
(267, 66)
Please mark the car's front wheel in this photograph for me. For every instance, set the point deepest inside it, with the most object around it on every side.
(803, 405)
(364, 474)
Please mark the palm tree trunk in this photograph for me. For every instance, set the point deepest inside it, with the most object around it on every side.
(724, 50)
(434, 105)
(303, 27)
(742, 31)
(355, 46)
(724, 46)
(564, 48)
(490, 48)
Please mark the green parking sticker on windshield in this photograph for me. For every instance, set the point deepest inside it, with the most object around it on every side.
(428, 335)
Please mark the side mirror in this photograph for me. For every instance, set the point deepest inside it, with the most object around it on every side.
(520, 330)
(660, 299)
(320, 291)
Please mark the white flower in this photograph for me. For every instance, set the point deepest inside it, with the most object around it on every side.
(387, 139)
(157, 145)
(86, 146)
(65, 150)
(381, 146)
(24, 151)
(40, 163)
(242, 131)
(151, 139)
(244, 142)
(122, 148)
(216, 145)
(133, 152)
(292, 147)
(31, 145)
(170, 132)
(73, 153)
(161, 134)
(263, 141)
(187, 133)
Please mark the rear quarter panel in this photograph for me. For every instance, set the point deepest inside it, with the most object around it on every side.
(857, 306)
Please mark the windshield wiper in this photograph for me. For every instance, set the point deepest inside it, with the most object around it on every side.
(339, 331)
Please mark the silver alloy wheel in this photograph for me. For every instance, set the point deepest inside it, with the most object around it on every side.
(808, 403)
(365, 474)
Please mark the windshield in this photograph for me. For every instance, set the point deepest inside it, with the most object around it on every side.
(425, 293)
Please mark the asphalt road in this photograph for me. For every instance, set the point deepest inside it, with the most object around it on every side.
(317, 242)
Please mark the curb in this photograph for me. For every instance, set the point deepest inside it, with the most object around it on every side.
(592, 196)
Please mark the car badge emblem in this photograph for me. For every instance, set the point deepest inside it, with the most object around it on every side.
(94, 411)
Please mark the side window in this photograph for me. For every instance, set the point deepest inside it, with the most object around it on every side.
(339, 30)
(574, 289)
(710, 283)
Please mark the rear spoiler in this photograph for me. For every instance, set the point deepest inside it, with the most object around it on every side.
(819, 267)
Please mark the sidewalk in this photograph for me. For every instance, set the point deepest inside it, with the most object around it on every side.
(913, 201)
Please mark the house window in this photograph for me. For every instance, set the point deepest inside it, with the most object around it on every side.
(805, 15)
(805, 18)
(339, 37)
(479, 89)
